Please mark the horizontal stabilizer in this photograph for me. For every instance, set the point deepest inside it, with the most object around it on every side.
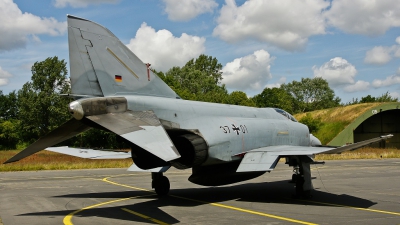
(141, 128)
(64, 132)
(90, 153)
(135, 168)
(357, 145)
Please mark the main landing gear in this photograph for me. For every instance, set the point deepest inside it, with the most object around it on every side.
(160, 184)
(301, 177)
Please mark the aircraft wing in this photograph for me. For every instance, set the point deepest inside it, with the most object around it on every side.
(266, 158)
(90, 153)
(142, 128)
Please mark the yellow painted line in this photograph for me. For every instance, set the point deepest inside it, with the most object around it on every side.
(144, 216)
(68, 218)
(352, 207)
(219, 205)
(123, 185)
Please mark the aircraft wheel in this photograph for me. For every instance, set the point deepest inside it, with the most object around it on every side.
(299, 185)
(161, 185)
(294, 178)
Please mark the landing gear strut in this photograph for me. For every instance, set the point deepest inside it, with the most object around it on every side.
(160, 184)
(302, 178)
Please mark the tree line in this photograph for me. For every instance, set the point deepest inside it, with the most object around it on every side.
(37, 108)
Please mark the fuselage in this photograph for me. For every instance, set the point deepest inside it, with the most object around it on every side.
(228, 129)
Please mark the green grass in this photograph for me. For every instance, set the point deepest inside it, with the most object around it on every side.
(329, 130)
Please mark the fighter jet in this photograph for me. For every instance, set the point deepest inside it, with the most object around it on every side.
(115, 91)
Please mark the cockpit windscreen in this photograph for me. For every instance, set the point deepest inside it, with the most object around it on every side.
(285, 114)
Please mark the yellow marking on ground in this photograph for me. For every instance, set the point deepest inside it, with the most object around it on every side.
(68, 218)
(352, 207)
(218, 205)
(144, 216)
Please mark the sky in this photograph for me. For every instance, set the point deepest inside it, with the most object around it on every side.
(354, 45)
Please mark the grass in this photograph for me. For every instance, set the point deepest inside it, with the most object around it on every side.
(46, 160)
(363, 153)
(329, 130)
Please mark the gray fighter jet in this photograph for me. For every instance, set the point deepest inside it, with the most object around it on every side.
(222, 144)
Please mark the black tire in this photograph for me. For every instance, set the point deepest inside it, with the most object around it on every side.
(294, 178)
(161, 185)
(299, 185)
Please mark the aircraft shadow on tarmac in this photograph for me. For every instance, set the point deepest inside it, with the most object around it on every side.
(268, 192)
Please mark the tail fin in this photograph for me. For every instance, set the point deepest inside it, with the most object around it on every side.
(102, 66)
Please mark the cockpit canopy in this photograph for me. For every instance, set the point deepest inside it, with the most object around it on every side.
(285, 114)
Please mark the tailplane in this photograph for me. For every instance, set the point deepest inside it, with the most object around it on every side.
(102, 66)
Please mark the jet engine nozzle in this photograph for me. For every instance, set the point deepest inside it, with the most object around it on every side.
(76, 110)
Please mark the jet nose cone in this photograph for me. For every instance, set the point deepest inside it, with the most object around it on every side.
(76, 110)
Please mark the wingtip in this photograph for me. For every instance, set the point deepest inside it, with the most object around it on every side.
(387, 136)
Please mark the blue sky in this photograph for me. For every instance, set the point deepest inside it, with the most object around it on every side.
(354, 45)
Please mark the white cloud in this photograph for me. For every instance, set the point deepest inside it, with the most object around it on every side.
(379, 55)
(80, 3)
(364, 17)
(250, 72)
(16, 27)
(286, 24)
(395, 95)
(179, 10)
(162, 50)
(337, 72)
(4, 75)
(389, 81)
(360, 85)
(277, 84)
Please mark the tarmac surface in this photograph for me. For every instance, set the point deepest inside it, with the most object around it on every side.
(346, 192)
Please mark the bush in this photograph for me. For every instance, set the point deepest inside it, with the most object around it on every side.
(313, 123)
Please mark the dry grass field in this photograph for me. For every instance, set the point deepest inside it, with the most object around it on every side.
(46, 160)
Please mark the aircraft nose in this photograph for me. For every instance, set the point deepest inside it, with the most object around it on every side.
(314, 141)
(76, 110)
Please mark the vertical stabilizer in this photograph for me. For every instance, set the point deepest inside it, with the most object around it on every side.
(102, 66)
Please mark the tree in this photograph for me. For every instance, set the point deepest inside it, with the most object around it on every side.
(199, 79)
(41, 108)
(367, 98)
(386, 98)
(9, 134)
(311, 94)
(275, 98)
(8, 106)
(239, 98)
